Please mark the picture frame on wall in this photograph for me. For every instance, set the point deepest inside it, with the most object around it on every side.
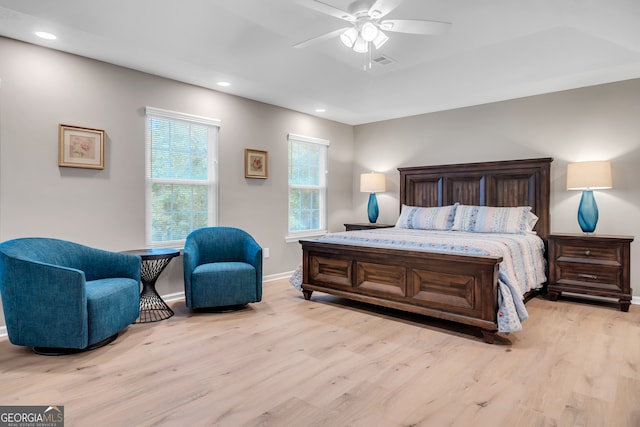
(255, 164)
(80, 147)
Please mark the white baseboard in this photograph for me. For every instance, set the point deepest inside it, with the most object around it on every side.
(278, 276)
(634, 299)
(173, 297)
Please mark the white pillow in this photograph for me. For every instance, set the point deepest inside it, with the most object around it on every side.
(436, 218)
(532, 219)
(489, 219)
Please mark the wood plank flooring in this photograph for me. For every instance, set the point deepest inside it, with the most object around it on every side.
(329, 362)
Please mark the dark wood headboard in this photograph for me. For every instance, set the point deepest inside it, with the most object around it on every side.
(503, 183)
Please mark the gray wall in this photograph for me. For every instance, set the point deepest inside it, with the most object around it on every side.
(42, 88)
(595, 123)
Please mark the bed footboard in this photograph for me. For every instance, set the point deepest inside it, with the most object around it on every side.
(459, 288)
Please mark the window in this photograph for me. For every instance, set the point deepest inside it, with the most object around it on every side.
(181, 175)
(307, 186)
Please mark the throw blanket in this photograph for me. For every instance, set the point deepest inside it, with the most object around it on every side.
(521, 270)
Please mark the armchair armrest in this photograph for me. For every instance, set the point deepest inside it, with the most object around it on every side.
(33, 286)
(253, 256)
(190, 255)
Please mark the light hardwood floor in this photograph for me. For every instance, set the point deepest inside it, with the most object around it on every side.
(328, 362)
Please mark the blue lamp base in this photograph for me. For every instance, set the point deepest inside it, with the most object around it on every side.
(372, 208)
(588, 212)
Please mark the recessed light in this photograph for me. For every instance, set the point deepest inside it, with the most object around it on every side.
(224, 84)
(320, 110)
(45, 35)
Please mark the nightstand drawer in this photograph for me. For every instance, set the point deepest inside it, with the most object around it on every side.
(589, 277)
(601, 254)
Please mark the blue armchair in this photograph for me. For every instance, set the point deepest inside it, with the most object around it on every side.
(61, 297)
(222, 267)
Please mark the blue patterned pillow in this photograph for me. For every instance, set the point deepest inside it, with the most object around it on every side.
(439, 218)
(487, 219)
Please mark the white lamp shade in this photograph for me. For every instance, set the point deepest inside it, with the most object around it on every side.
(372, 183)
(380, 39)
(369, 32)
(348, 38)
(361, 45)
(589, 175)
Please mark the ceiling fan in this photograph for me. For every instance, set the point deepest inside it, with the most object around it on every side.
(367, 29)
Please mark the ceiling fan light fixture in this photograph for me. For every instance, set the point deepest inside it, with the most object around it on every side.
(348, 38)
(361, 45)
(369, 31)
(380, 39)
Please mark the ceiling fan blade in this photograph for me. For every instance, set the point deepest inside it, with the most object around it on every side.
(382, 7)
(330, 10)
(415, 26)
(320, 38)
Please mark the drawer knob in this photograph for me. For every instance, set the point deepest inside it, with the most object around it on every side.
(588, 276)
(587, 253)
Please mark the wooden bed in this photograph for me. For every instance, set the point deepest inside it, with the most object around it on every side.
(459, 288)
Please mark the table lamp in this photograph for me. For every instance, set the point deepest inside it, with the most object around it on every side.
(372, 183)
(588, 176)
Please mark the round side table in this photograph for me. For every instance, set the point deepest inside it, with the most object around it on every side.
(154, 261)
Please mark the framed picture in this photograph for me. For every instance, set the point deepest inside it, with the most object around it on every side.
(255, 164)
(80, 147)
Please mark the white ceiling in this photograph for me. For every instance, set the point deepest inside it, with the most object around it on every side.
(495, 49)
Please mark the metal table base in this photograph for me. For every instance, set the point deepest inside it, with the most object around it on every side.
(152, 306)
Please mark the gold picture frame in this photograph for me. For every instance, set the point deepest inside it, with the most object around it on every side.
(80, 147)
(256, 164)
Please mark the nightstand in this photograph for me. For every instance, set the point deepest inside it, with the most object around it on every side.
(597, 265)
(366, 226)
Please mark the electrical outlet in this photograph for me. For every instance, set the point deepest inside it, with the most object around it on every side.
(265, 252)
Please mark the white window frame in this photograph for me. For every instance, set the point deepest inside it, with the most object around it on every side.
(293, 236)
(212, 159)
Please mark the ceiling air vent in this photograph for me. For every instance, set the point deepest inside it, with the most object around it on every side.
(383, 60)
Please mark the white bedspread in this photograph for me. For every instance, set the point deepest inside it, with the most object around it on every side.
(521, 270)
